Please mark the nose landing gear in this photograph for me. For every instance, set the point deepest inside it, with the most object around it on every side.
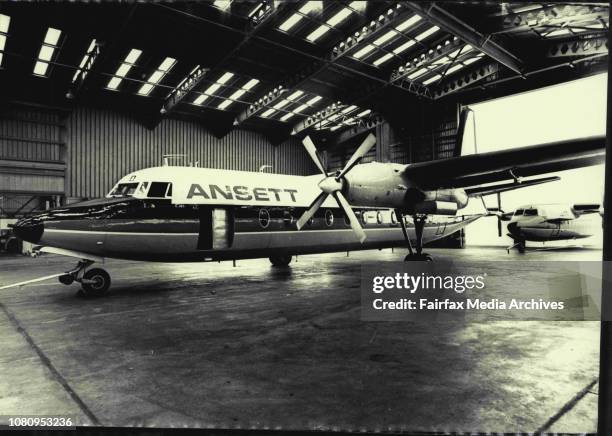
(94, 281)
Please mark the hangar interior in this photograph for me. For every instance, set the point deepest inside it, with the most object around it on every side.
(93, 92)
(90, 92)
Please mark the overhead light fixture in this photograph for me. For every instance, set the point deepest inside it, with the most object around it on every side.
(381, 60)
(47, 50)
(157, 76)
(421, 36)
(408, 23)
(124, 68)
(432, 79)
(88, 54)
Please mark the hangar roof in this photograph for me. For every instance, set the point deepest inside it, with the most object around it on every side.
(291, 67)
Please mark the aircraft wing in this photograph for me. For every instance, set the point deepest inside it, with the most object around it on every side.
(478, 169)
(479, 191)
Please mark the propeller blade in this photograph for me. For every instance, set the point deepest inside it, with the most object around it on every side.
(312, 209)
(363, 149)
(312, 151)
(499, 227)
(346, 207)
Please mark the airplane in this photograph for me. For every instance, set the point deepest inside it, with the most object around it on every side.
(550, 222)
(177, 213)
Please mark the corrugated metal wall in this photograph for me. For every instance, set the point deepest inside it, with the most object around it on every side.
(104, 146)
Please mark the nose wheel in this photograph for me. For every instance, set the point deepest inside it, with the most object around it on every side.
(94, 281)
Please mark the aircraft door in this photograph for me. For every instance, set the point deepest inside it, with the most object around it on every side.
(216, 228)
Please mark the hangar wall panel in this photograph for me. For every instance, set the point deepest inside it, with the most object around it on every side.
(104, 146)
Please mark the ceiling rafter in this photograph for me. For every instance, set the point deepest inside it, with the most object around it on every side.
(451, 24)
(340, 50)
(197, 76)
(466, 79)
(582, 47)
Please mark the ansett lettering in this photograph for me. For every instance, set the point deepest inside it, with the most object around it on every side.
(243, 193)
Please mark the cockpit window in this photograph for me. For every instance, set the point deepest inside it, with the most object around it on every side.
(124, 190)
(531, 212)
(519, 212)
(143, 188)
(158, 190)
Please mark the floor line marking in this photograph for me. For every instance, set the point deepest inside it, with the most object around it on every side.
(45, 360)
(567, 407)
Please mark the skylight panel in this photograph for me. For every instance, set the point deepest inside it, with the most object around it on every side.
(432, 79)
(427, 33)
(157, 76)
(363, 51)
(338, 18)
(300, 108)
(47, 50)
(268, 113)
(124, 68)
(383, 59)
(5, 21)
(364, 113)
(237, 94)
(408, 23)
(313, 100)
(386, 37)
(471, 61)
(224, 5)
(405, 46)
(87, 55)
(295, 95)
(307, 8)
(213, 88)
(417, 73)
(349, 109)
(287, 116)
(334, 128)
(452, 69)
(251, 83)
(281, 104)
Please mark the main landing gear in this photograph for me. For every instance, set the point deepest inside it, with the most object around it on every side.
(519, 244)
(94, 281)
(280, 260)
(419, 224)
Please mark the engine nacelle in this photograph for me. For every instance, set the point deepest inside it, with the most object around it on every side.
(436, 208)
(457, 196)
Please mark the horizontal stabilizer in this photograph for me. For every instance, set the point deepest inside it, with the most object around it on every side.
(479, 191)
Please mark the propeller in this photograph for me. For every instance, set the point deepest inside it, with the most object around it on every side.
(332, 185)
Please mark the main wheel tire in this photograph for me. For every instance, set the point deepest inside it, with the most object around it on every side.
(280, 260)
(101, 282)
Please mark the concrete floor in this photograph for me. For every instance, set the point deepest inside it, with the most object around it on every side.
(210, 345)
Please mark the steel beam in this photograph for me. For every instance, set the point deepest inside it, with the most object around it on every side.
(363, 126)
(451, 24)
(582, 47)
(196, 77)
(88, 69)
(466, 79)
(341, 49)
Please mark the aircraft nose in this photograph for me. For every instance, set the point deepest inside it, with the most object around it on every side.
(513, 228)
(29, 231)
